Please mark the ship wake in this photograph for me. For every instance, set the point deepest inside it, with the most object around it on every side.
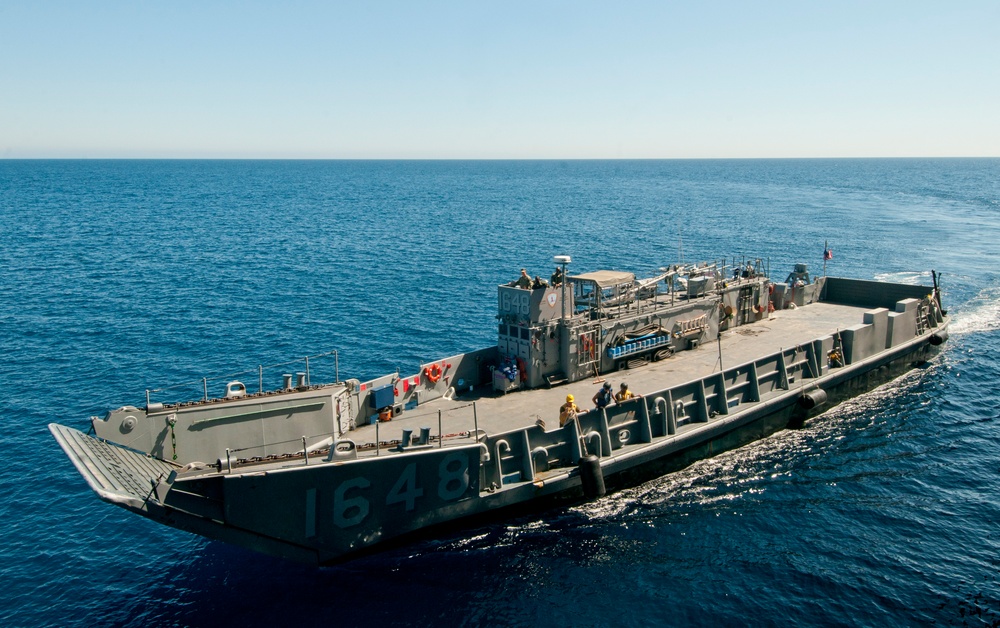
(980, 315)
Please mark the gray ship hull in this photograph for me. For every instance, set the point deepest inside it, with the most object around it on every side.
(325, 505)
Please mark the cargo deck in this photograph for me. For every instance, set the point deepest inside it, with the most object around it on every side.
(501, 412)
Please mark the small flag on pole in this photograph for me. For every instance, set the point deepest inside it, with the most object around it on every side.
(827, 253)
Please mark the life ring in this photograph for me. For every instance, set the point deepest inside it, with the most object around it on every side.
(433, 373)
(770, 288)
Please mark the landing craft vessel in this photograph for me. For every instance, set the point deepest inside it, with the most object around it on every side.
(717, 353)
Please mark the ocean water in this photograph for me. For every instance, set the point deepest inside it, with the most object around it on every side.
(118, 276)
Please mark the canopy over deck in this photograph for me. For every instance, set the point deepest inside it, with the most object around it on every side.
(605, 278)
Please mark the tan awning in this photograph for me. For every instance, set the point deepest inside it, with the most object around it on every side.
(606, 278)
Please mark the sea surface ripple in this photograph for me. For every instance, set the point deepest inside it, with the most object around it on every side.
(121, 276)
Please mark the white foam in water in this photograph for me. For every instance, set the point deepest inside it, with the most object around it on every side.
(910, 278)
(980, 314)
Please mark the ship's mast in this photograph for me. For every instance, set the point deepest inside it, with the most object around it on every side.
(564, 260)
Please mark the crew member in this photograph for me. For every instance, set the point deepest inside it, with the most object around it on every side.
(835, 360)
(557, 277)
(603, 396)
(524, 281)
(539, 283)
(567, 411)
(624, 393)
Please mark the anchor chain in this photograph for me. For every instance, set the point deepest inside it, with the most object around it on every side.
(173, 437)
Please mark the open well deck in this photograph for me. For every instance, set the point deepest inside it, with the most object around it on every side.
(503, 412)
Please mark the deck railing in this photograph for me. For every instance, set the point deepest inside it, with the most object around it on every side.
(305, 375)
(411, 432)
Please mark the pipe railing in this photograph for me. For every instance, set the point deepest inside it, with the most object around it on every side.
(259, 371)
(462, 428)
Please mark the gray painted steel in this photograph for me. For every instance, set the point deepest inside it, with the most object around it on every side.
(309, 473)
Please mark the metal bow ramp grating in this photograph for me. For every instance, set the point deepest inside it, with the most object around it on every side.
(116, 474)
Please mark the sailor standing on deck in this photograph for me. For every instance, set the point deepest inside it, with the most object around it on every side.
(603, 396)
(624, 394)
(567, 411)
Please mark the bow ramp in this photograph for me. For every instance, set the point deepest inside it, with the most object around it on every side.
(117, 475)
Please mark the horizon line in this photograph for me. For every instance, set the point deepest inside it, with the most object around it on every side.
(4, 158)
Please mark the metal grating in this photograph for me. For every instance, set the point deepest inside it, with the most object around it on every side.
(109, 468)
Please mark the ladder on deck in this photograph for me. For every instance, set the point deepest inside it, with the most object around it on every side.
(922, 322)
(744, 305)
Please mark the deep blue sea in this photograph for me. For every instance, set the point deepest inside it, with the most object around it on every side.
(118, 276)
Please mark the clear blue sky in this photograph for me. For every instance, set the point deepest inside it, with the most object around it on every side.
(499, 79)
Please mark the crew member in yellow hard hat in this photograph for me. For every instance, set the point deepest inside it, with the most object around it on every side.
(567, 411)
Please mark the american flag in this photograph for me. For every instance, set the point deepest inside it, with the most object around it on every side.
(827, 252)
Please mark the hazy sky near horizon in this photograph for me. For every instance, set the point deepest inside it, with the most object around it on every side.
(474, 79)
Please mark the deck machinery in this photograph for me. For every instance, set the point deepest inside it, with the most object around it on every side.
(601, 321)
